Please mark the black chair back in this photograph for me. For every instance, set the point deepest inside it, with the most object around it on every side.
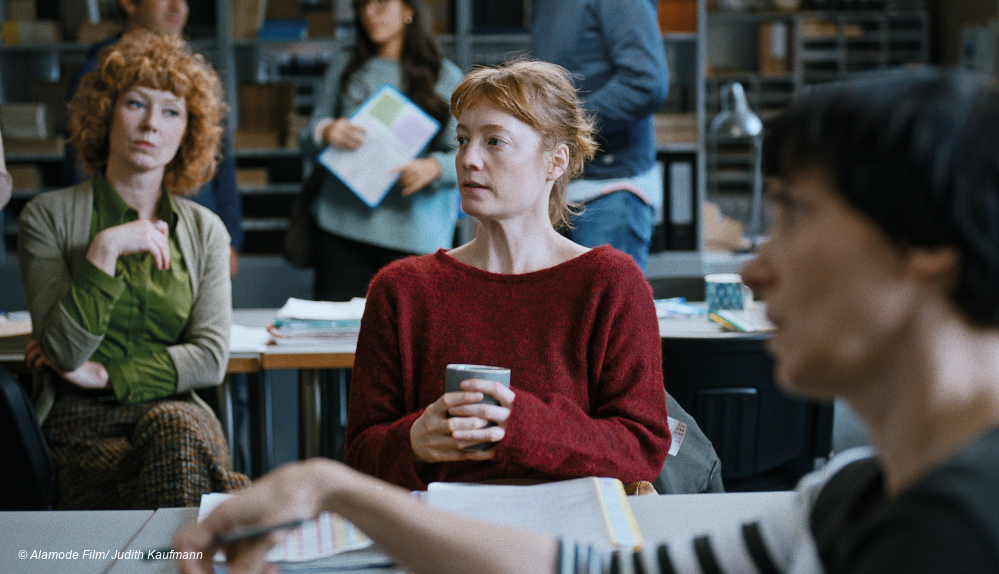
(28, 480)
(765, 439)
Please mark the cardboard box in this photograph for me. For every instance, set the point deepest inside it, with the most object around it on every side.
(74, 13)
(251, 177)
(93, 32)
(54, 146)
(675, 128)
(772, 46)
(22, 10)
(16, 32)
(266, 108)
(26, 177)
(26, 121)
(244, 139)
(247, 17)
(54, 95)
(441, 15)
(321, 24)
(283, 10)
(677, 16)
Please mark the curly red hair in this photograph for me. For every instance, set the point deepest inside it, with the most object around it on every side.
(142, 58)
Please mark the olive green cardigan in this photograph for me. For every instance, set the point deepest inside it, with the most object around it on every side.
(53, 237)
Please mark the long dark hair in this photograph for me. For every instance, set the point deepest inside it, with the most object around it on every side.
(420, 60)
(914, 150)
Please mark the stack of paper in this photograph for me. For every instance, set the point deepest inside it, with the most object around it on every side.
(248, 339)
(311, 322)
(15, 324)
(15, 332)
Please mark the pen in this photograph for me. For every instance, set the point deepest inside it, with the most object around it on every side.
(230, 537)
(254, 531)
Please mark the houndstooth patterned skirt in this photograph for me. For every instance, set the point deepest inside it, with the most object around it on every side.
(143, 456)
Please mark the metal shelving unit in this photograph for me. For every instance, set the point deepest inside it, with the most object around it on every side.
(820, 47)
(302, 63)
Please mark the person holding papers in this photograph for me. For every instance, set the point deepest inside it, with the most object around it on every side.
(393, 45)
(128, 287)
(881, 274)
(575, 326)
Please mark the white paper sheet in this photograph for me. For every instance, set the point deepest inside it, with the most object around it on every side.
(397, 130)
(248, 339)
(322, 310)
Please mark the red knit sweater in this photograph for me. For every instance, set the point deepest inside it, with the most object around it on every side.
(582, 343)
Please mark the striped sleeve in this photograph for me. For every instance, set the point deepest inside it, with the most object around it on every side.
(779, 542)
(775, 544)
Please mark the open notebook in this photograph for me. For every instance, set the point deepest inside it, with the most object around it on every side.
(589, 510)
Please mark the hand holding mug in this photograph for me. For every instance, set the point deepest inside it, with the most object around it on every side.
(468, 418)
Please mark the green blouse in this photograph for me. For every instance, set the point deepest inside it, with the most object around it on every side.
(140, 311)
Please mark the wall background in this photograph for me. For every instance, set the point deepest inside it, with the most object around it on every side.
(948, 17)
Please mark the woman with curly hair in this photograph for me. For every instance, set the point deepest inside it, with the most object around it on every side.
(394, 45)
(128, 287)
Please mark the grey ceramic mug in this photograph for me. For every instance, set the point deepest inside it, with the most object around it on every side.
(456, 373)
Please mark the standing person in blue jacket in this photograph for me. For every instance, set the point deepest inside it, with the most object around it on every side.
(616, 52)
(393, 45)
(220, 194)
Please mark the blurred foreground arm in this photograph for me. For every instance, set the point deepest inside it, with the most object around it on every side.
(422, 538)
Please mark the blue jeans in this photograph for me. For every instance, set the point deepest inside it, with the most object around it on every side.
(619, 219)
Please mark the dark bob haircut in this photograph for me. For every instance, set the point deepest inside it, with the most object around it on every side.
(917, 152)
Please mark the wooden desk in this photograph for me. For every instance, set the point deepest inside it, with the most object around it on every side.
(12, 353)
(318, 436)
(315, 429)
(12, 359)
(309, 360)
(765, 438)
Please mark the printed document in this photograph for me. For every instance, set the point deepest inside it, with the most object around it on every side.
(397, 130)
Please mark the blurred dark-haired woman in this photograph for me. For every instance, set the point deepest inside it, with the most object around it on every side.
(394, 45)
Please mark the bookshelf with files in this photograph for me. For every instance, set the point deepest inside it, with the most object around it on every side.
(775, 54)
(270, 84)
(472, 32)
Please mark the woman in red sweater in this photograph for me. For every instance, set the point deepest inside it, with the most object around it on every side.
(576, 326)
(880, 273)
